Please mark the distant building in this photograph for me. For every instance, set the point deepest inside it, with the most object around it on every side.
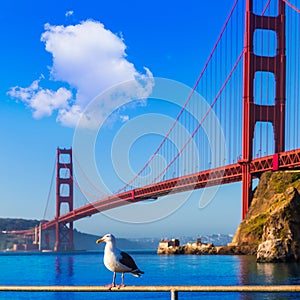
(17, 247)
(169, 243)
(25, 247)
(175, 243)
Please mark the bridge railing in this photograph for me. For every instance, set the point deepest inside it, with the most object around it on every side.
(172, 289)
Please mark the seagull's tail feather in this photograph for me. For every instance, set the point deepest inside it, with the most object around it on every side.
(137, 273)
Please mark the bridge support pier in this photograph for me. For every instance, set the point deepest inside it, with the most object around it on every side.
(64, 195)
(254, 112)
(247, 192)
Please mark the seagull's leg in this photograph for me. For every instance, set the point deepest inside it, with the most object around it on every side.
(113, 284)
(114, 279)
(122, 284)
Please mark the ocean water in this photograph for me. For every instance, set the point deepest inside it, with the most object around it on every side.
(88, 269)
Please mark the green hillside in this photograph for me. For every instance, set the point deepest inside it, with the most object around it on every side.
(17, 224)
(7, 224)
(82, 241)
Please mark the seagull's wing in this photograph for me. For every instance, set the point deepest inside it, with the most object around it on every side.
(128, 261)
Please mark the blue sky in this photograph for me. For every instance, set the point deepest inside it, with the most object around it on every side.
(48, 67)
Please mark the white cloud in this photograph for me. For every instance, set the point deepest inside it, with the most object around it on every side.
(69, 13)
(42, 101)
(90, 59)
(124, 118)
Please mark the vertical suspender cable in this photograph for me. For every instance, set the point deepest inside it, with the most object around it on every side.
(50, 189)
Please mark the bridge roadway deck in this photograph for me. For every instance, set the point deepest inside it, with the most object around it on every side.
(222, 175)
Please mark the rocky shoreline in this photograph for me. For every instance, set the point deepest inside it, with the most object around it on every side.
(270, 230)
(190, 249)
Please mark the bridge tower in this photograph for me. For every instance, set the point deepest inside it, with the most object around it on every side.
(64, 195)
(252, 111)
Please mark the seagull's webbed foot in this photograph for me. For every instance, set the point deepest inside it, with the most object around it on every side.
(110, 286)
(121, 285)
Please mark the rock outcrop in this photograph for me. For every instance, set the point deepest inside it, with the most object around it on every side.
(281, 233)
(271, 229)
(196, 249)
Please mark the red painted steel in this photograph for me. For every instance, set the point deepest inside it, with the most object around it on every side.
(227, 174)
(275, 162)
(64, 194)
(253, 112)
(25, 232)
(289, 160)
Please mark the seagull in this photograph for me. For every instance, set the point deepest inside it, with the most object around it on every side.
(117, 261)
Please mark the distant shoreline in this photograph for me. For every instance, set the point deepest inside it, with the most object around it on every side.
(83, 252)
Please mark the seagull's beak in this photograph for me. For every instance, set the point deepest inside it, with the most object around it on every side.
(100, 241)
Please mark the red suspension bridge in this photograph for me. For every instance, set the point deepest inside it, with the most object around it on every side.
(251, 84)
